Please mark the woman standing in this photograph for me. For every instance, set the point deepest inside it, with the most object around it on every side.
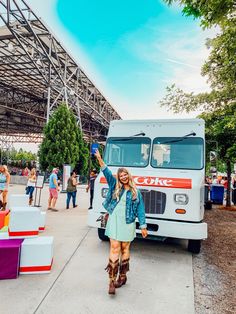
(31, 185)
(71, 190)
(4, 183)
(124, 203)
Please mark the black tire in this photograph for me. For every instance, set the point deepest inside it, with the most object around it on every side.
(208, 205)
(194, 246)
(101, 234)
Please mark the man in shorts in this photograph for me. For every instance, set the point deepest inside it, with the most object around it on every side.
(53, 190)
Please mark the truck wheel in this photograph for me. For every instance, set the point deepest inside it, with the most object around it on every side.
(194, 246)
(101, 234)
(208, 205)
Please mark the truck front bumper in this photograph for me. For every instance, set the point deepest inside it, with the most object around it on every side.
(177, 229)
(164, 228)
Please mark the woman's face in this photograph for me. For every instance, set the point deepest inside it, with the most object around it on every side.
(2, 169)
(124, 177)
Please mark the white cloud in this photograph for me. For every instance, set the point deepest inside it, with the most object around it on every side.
(171, 56)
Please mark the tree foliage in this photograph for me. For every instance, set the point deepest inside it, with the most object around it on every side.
(211, 12)
(220, 68)
(63, 142)
(19, 158)
(219, 105)
(221, 127)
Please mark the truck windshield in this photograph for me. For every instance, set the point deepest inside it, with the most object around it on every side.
(178, 153)
(127, 151)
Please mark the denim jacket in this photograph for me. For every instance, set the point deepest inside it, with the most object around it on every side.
(134, 208)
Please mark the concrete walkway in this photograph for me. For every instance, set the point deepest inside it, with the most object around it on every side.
(160, 280)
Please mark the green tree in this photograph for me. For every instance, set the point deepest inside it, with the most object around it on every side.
(218, 105)
(221, 127)
(211, 12)
(21, 157)
(83, 162)
(63, 142)
(220, 68)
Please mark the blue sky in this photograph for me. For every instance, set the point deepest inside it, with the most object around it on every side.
(130, 49)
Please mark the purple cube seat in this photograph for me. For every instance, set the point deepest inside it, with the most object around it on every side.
(10, 258)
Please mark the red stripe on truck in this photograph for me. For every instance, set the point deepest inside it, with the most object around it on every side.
(178, 183)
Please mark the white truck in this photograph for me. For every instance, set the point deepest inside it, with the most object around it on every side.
(167, 161)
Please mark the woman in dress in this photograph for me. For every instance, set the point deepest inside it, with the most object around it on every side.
(4, 183)
(31, 185)
(123, 203)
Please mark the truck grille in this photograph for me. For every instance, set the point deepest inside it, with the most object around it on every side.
(154, 201)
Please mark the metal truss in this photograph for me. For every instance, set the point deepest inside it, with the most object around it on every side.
(37, 74)
(21, 138)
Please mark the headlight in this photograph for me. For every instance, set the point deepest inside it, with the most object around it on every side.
(181, 199)
(104, 192)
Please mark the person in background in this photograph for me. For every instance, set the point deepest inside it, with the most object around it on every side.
(233, 183)
(25, 172)
(31, 185)
(71, 190)
(224, 182)
(92, 177)
(215, 180)
(4, 183)
(53, 190)
(123, 203)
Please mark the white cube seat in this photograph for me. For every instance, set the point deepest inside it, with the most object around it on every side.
(18, 200)
(36, 255)
(42, 222)
(4, 233)
(24, 222)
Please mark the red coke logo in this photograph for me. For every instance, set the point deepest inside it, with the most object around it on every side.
(177, 183)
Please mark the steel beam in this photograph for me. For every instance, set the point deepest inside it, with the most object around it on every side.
(37, 74)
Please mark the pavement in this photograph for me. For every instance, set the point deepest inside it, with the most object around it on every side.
(160, 280)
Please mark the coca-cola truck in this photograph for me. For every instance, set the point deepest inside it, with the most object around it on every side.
(167, 161)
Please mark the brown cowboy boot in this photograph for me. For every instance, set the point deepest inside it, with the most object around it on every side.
(112, 269)
(4, 206)
(30, 200)
(124, 268)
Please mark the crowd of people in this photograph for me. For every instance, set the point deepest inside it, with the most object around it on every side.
(123, 204)
(19, 171)
(221, 180)
(54, 183)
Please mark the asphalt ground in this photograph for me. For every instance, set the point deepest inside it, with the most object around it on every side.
(160, 280)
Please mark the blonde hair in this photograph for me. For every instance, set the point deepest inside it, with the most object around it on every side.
(119, 185)
(33, 171)
(5, 168)
(32, 174)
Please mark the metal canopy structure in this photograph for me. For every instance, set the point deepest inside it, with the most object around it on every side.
(37, 74)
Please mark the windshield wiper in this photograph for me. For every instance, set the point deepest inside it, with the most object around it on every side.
(142, 133)
(179, 139)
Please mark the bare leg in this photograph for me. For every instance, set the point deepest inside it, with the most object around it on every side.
(113, 265)
(50, 202)
(54, 200)
(124, 265)
(4, 199)
(115, 250)
(125, 250)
